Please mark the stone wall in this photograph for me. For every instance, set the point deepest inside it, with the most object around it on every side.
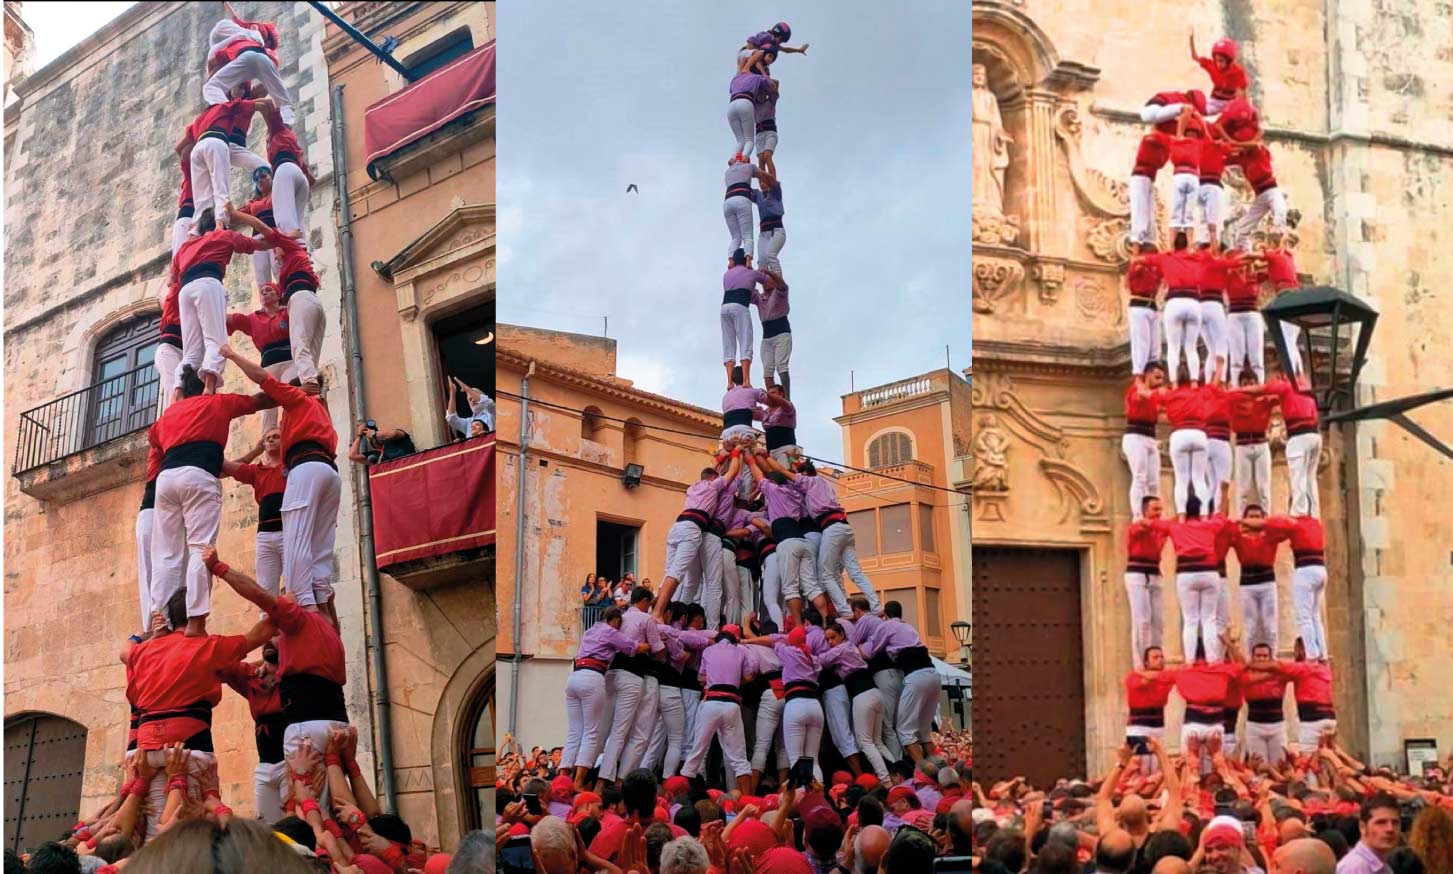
(91, 189)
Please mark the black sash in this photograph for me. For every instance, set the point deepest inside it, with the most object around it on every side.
(206, 270)
(880, 662)
(724, 692)
(801, 689)
(767, 124)
(858, 682)
(270, 512)
(270, 730)
(695, 517)
(1148, 717)
(770, 224)
(1203, 715)
(733, 418)
(785, 529)
(277, 352)
(148, 497)
(1315, 711)
(741, 296)
(830, 518)
(306, 451)
(201, 710)
(775, 327)
(779, 436)
(912, 658)
(1264, 710)
(309, 698)
(284, 156)
(199, 453)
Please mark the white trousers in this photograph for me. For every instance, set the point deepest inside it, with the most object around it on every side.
(769, 727)
(245, 68)
(186, 517)
(1210, 200)
(1200, 595)
(1266, 740)
(310, 524)
(772, 242)
(736, 333)
(796, 566)
(243, 158)
(917, 705)
(1309, 734)
(1142, 209)
(742, 118)
(1303, 452)
(1183, 188)
(731, 587)
(1188, 451)
(315, 730)
(1154, 114)
(683, 544)
(270, 560)
(306, 324)
(203, 306)
(1253, 476)
(746, 590)
(890, 687)
(156, 790)
(776, 353)
(802, 721)
(737, 211)
(268, 784)
(1259, 614)
(711, 578)
(143, 564)
(647, 713)
(1205, 734)
(1246, 340)
(625, 691)
(1143, 324)
(837, 541)
(838, 713)
(1218, 468)
(211, 161)
(290, 192)
(585, 708)
(1214, 335)
(283, 372)
(1269, 201)
(765, 141)
(772, 588)
(867, 730)
(673, 717)
(1292, 335)
(168, 362)
(1142, 454)
(263, 270)
(1308, 585)
(1147, 597)
(1182, 325)
(722, 720)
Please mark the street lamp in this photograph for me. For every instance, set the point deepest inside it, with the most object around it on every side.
(1335, 329)
(962, 631)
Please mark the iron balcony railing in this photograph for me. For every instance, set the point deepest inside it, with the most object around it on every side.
(87, 418)
(591, 613)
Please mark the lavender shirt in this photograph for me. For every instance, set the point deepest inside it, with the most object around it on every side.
(1362, 860)
(740, 276)
(703, 494)
(784, 416)
(894, 636)
(758, 535)
(796, 665)
(766, 108)
(724, 664)
(771, 304)
(691, 642)
(742, 397)
(769, 203)
(843, 659)
(726, 500)
(603, 642)
(764, 660)
(863, 629)
(818, 495)
(783, 502)
(747, 83)
(638, 626)
(741, 173)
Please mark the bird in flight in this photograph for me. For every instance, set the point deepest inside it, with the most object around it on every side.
(632, 187)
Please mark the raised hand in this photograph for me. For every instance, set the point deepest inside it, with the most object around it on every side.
(176, 760)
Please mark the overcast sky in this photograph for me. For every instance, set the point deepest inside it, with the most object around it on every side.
(874, 162)
(58, 26)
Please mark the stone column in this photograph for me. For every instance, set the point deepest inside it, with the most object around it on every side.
(1045, 235)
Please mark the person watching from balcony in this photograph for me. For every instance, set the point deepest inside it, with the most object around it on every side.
(480, 420)
(381, 445)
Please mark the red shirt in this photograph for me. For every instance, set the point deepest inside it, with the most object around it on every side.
(1215, 276)
(1225, 83)
(265, 480)
(1206, 685)
(310, 644)
(266, 29)
(1243, 285)
(1151, 154)
(1281, 268)
(1213, 161)
(184, 197)
(266, 331)
(1144, 544)
(1218, 418)
(607, 843)
(261, 207)
(1305, 533)
(230, 119)
(171, 314)
(1143, 277)
(1311, 681)
(215, 248)
(1169, 98)
(1256, 551)
(154, 453)
(1250, 416)
(1187, 407)
(1240, 120)
(296, 270)
(1256, 164)
(282, 143)
(1272, 689)
(201, 419)
(1197, 542)
(174, 672)
(1185, 154)
(262, 697)
(1234, 697)
(305, 418)
(1153, 691)
(1181, 268)
(1298, 409)
(1141, 409)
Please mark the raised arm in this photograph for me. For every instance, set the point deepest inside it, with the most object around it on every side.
(1194, 55)
(250, 369)
(241, 583)
(1170, 816)
(1104, 799)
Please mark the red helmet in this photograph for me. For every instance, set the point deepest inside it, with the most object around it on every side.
(784, 33)
(1225, 47)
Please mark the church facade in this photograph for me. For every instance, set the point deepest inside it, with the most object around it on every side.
(1363, 146)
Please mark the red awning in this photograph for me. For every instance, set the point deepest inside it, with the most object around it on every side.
(434, 503)
(428, 104)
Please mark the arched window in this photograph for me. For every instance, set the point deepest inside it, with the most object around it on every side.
(124, 384)
(478, 763)
(590, 423)
(886, 450)
(45, 757)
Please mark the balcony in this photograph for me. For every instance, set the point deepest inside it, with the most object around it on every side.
(912, 471)
(87, 441)
(896, 391)
(440, 113)
(591, 614)
(433, 515)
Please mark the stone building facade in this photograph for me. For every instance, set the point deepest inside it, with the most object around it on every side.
(1362, 136)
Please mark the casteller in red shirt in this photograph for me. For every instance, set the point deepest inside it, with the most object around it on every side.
(1152, 154)
(1147, 694)
(1225, 83)
(175, 681)
(1182, 271)
(305, 420)
(193, 431)
(268, 332)
(1205, 686)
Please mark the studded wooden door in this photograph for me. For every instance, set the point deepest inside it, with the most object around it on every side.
(44, 759)
(1029, 695)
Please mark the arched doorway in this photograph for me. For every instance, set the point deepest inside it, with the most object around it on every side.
(45, 757)
(478, 757)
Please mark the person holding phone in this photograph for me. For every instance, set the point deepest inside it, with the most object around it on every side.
(371, 446)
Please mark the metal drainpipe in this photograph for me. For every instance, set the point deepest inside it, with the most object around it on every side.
(382, 706)
(520, 554)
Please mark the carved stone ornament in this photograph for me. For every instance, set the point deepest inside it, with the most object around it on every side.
(1097, 304)
(1106, 195)
(996, 230)
(1051, 278)
(994, 280)
(1109, 240)
(991, 457)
